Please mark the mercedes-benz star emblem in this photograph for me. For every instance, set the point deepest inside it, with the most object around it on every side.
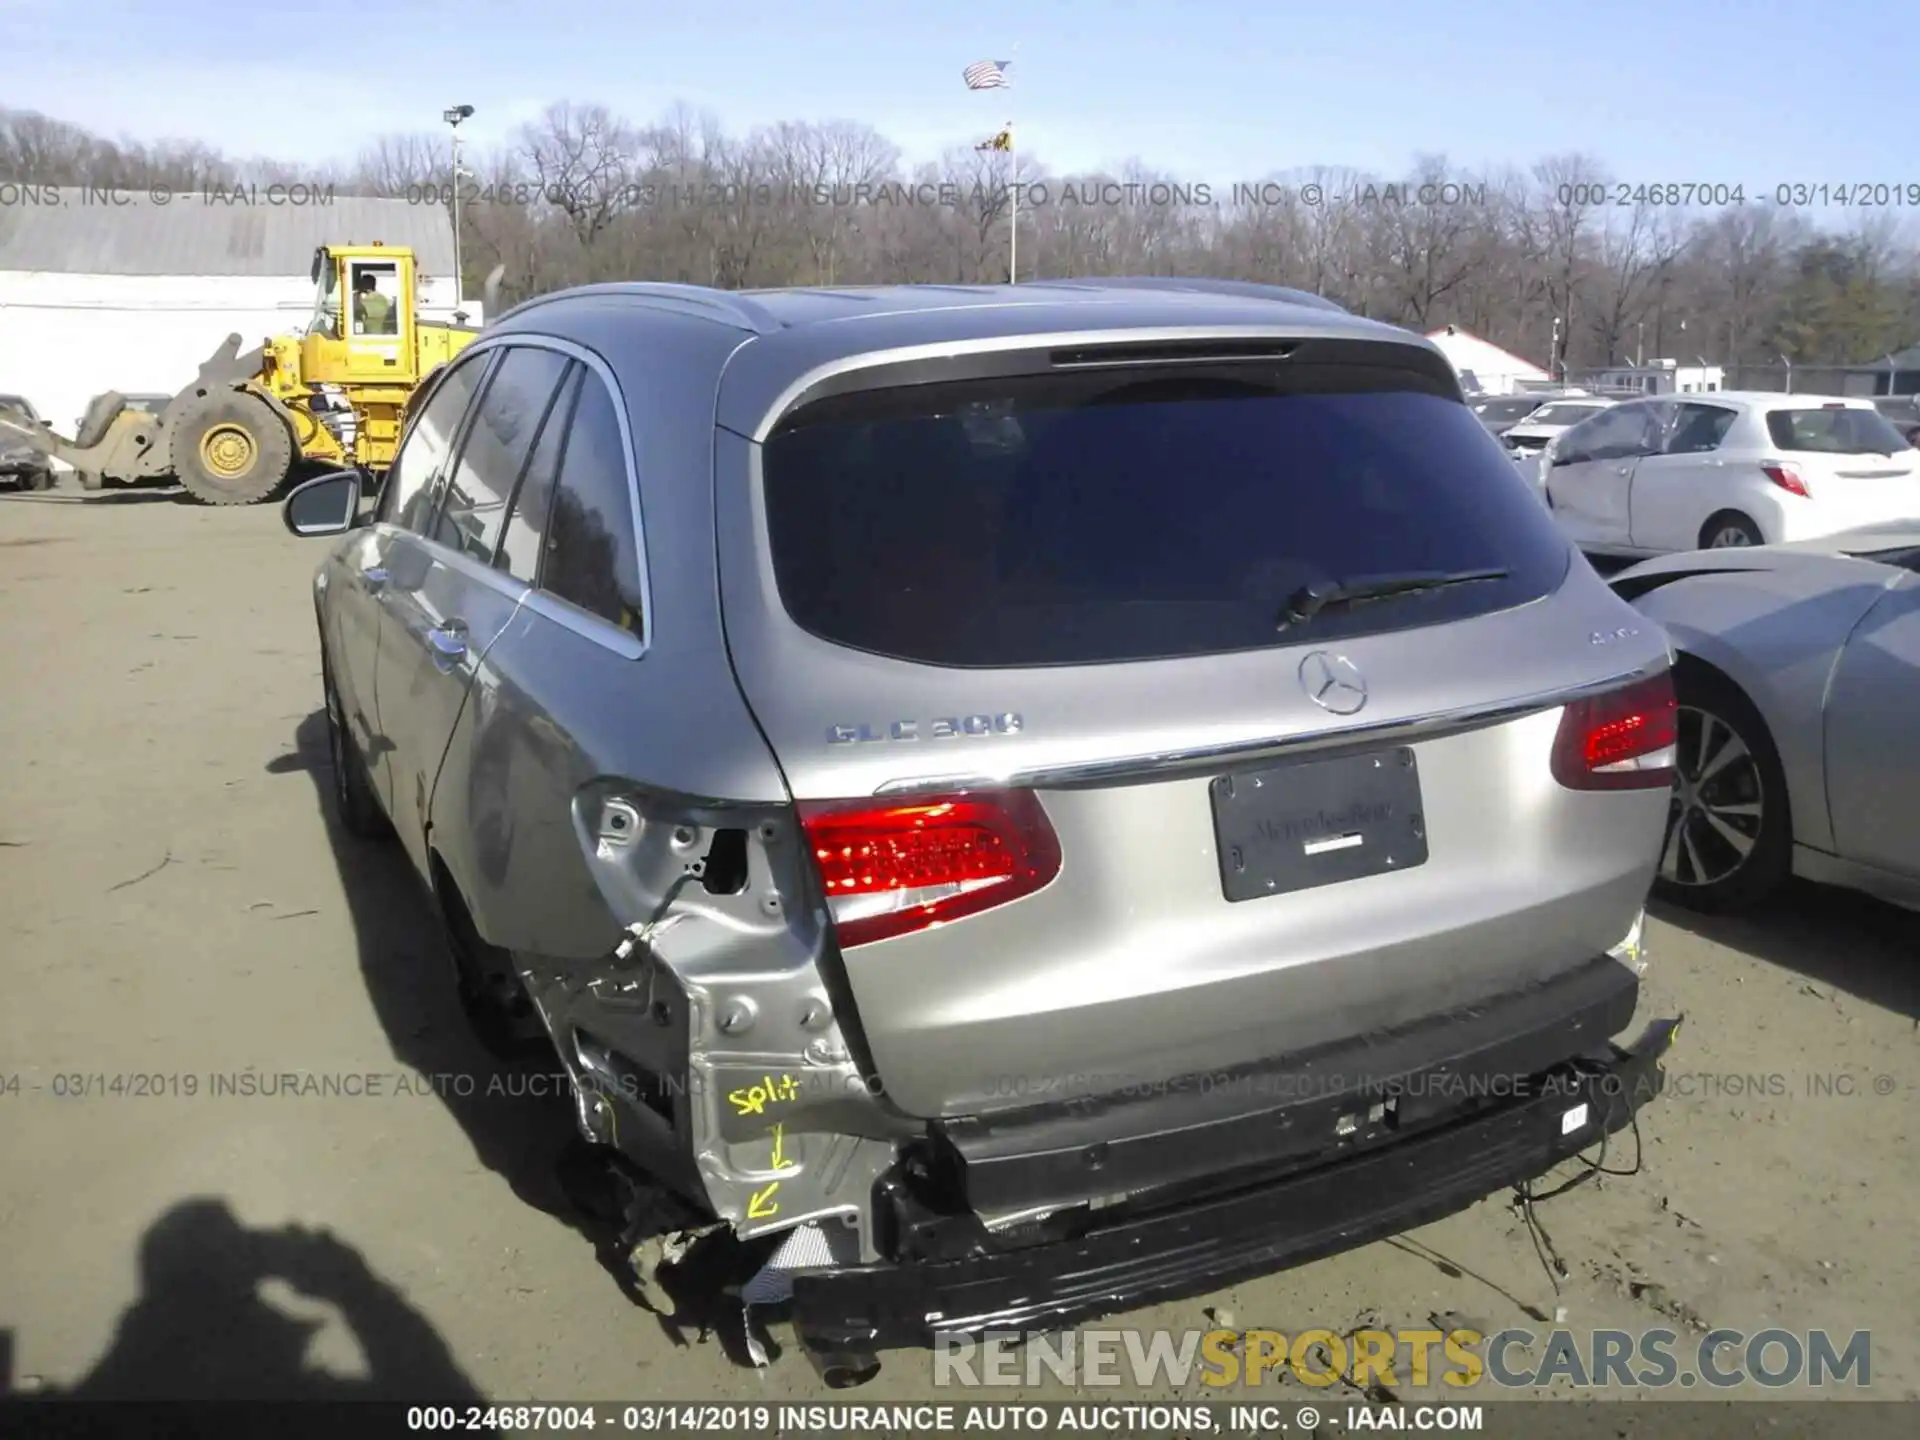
(1333, 682)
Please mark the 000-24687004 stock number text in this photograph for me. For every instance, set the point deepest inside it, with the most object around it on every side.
(1795, 195)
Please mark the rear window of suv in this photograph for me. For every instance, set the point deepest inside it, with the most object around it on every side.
(1103, 517)
(1834, 430)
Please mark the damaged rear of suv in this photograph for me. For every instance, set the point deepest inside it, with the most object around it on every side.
(1106, 789)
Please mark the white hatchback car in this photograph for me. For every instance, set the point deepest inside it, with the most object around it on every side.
(1698, 472)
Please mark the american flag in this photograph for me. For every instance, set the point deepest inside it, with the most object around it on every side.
(987, 75)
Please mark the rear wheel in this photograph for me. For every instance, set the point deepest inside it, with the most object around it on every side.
(1729, 837)
(1730, 530)
(230, 448)
(497, 1005)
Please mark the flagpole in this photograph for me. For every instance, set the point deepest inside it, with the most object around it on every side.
(1013, 214)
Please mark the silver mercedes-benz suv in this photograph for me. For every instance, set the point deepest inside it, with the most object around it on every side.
(1018, 801)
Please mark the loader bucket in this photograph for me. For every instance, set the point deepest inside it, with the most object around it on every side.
(124, 445)
(120, 444)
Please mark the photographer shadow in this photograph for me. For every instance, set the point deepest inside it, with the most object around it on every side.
(201, 1329)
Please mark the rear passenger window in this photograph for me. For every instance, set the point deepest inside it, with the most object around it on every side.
(523, 544)
(496, 448)
(1699, 428)
(592, 560)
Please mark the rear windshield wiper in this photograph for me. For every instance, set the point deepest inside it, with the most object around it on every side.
(1309, 600)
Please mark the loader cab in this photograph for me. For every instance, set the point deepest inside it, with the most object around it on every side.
(362, 332)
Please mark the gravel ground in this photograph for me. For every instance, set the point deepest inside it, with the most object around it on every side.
(176, 908)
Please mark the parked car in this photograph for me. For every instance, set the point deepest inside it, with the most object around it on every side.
(1798, 677)
(937, 847)
(1500, 413)
(1904, 413)
(1552, 418)
(21, 465)
(1655, 476)
(1528, 440)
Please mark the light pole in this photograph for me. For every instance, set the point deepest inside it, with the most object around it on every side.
(453, 115)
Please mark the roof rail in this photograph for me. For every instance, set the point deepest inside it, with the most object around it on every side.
(1206, 285)
(727, 304)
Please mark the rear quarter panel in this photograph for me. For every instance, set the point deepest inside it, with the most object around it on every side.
(555, 711)
(1777, 633)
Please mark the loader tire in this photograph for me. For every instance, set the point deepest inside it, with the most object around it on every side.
(230, 448)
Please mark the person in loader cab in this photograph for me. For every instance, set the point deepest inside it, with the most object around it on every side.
(373, 310)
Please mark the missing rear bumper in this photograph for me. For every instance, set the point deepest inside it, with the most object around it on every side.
(1226, 1238)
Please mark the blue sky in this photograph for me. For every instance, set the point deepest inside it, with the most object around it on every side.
(1756, 93)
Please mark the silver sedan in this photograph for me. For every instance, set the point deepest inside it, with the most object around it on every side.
(1798, 672)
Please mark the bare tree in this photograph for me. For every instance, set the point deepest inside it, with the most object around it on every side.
(1634, 253)
(585, 194)
(584, 161)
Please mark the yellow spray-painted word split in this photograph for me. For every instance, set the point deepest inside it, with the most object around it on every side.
(754, 1099)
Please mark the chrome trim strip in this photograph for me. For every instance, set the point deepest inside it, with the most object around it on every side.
(605, 634)
(1134, 767)
(507, 585)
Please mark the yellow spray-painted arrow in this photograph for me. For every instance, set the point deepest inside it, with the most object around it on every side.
(779, 1154)
(760, 1206)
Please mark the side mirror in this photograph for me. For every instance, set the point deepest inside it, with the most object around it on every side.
(325, 505)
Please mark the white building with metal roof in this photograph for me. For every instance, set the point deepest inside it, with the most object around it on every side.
(1483, 366)
(131, 291)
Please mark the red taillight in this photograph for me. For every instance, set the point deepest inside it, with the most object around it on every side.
(892, 868)
(1622, 740)
(1787, 478)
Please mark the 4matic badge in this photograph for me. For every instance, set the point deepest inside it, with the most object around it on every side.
(949, 727)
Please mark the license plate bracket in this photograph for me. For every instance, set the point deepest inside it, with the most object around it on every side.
(1309, 823)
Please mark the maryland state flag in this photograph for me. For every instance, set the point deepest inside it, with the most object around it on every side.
(1002, 141)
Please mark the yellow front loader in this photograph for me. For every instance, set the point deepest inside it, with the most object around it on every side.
(335, 395)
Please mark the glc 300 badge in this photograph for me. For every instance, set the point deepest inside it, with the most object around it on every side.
(950, 727)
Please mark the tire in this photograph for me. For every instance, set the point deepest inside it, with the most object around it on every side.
(353, 796)
(497, 1007)
(1730, 530)
(1744, 802)
(229, 448)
